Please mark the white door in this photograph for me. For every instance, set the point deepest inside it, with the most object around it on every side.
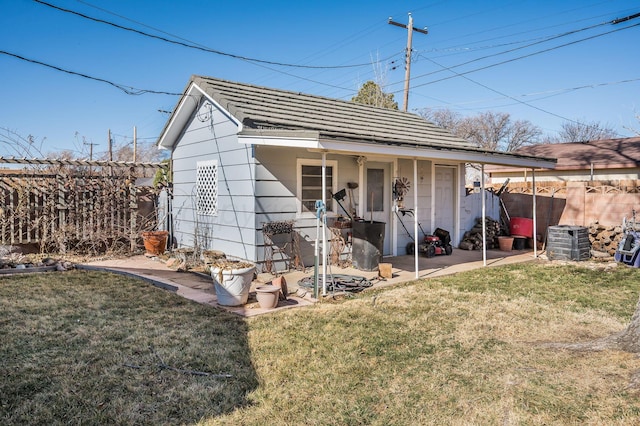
(377, 200)
(445, 184)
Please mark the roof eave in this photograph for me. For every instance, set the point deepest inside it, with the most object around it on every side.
(281, 138)
(178, 119)
(310, 139)
(188, 104)
(438, 152)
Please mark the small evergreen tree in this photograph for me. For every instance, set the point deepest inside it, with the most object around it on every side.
(371, 93)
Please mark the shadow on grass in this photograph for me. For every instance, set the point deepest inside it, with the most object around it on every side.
(93, 348)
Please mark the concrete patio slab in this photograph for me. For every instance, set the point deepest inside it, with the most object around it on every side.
(199, 287)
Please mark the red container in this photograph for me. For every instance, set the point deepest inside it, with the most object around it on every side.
(521, 226)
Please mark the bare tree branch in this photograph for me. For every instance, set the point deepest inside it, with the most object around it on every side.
(489, 130)
(582, 132)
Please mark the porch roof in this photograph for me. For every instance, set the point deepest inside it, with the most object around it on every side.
(276, 117)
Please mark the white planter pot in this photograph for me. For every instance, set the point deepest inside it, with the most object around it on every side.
(232, 285)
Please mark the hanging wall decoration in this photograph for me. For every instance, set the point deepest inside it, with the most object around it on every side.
(400, 189)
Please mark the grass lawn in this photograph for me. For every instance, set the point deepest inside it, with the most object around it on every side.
(94, 348)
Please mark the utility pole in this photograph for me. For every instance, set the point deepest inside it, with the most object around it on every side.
(110, 148)
(135, 143)
(110, 151)
(407, 75)
(91, 144)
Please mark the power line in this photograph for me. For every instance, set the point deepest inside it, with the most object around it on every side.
(517, 48)
(518, 24)
(505, 95)
(515, 59)
(613, 22)
(194, 46)
(129, 90)
(338, 86)
(547, 93)
(344, 41)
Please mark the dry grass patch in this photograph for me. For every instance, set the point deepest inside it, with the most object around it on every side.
(85, 347)
(462, 350)
(448, 352)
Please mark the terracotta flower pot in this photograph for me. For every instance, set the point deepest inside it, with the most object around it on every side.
(505, 243)
(281, 283)
(155, 242)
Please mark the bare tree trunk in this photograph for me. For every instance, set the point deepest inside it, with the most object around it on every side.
(627, 340)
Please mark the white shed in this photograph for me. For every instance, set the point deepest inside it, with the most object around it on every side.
(244, 156)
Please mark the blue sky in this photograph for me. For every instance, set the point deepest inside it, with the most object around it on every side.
(542, 61)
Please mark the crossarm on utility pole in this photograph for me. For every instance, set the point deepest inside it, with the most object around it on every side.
(407, 75)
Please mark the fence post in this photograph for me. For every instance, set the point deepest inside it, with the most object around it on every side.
(61, 207)
(133, 212)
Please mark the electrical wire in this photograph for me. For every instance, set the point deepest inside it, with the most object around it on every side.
(343, 42)
(198, 47)
(134, 91)
(557, 36)
(190, 44)
(507, 96)
(129, 90)
(512, 59)
(548, 93)
(519, 24)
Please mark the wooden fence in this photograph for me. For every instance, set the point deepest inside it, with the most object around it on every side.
(574, 203)
(85, 212)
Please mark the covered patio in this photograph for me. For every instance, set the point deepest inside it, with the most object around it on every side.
(403, 268)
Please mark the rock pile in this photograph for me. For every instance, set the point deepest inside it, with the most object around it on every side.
(472, 239)
(604, 239)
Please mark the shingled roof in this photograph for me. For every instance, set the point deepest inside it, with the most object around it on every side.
(273, 109)
(333, 124)
(619, 153)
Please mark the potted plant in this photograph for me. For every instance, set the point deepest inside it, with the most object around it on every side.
(232, 281)
(155, 242)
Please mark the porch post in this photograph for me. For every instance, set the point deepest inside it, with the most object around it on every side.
(484, 215)
(535, 229)
(415, 215)
(324, 225)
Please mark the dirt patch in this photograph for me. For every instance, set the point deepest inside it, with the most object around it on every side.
(594, 264)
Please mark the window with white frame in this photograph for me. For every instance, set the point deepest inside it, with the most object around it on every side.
(207, 187)
(310, 184)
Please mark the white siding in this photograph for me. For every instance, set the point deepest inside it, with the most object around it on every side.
(210, 135)
(405, 169)
(276, 200)
(259, 185)
(471, 209)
